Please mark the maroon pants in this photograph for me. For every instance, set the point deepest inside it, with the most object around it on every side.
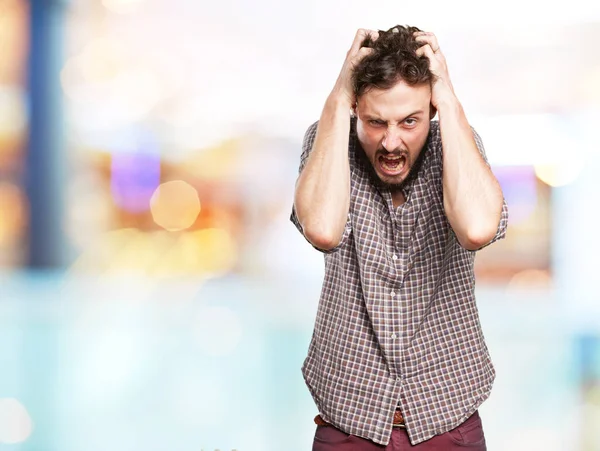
(468, 435)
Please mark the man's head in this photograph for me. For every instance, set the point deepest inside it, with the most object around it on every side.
(393, 91)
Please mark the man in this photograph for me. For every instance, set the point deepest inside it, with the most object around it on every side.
(398, 204)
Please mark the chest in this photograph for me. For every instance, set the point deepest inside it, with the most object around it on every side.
(398, 199)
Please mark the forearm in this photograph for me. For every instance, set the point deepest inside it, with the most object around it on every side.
(472, 195)
(322, 195)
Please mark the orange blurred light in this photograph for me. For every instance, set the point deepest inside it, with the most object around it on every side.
(216, 249)
(208, 252)
(12, 212)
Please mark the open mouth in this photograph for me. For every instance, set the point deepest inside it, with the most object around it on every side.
(392, 165)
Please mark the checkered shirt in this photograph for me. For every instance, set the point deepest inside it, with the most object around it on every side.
(397, 322)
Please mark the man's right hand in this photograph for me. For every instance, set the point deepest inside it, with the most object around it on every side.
(343, 90)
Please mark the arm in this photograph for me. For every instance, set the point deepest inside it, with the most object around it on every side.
(322, 194)
(473, 200)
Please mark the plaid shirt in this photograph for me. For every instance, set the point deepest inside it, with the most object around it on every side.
(397, 323)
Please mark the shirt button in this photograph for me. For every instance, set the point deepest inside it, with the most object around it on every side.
(394, 257)
(392, 294)
(393, 336)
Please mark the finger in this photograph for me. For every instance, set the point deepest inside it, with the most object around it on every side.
(361, 34)
(362, 52)
(427, 51)
(429, 39)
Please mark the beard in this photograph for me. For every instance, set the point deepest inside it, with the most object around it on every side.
(378, 181)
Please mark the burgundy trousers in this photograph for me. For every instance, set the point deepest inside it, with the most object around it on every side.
(469, 435)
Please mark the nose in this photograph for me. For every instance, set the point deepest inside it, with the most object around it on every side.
(391, 140)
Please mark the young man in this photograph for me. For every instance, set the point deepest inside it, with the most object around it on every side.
(398, 204)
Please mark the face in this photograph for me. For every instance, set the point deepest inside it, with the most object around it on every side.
(392, 128)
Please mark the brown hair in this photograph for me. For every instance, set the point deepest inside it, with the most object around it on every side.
(393, 59)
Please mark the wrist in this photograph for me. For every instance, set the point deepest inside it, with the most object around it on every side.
(448, 105)
(339, 99)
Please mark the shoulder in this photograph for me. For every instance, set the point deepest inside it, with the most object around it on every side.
(434, 131)
(309, 136)
(434, 141)
(312, 128)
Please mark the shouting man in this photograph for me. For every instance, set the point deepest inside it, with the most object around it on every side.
(398, 203)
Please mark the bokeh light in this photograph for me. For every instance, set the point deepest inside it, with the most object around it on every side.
(562, 174)
(216, 250)
(13, 36)
(175, 205)
(111, 85)
(15, 423)
(13, 117)
(12, 212)
(519, 189)
(134, 178)
(207, 253)
(219, 162)
(530, 279)
(102, 60)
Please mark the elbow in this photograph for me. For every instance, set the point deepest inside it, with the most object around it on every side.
(322, 239)
(319, 230)
(477, 238)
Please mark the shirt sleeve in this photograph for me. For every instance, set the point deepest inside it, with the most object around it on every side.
(307, 144)
(503, 224)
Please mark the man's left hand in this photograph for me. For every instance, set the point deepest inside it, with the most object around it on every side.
(441, 89)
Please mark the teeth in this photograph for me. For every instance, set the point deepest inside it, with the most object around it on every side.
(392, 165)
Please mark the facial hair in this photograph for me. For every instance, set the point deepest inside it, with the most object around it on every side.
(368, 165)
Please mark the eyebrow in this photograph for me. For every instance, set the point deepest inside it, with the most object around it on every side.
(375, 117)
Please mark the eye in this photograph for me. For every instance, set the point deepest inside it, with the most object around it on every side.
(411, 121)
(375, 122)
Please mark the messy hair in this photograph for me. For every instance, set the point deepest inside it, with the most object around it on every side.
(393, 59)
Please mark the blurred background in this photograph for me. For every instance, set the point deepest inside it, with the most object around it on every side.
(153, 293)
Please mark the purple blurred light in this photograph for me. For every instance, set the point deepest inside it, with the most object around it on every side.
(519, 185)
(134, 178)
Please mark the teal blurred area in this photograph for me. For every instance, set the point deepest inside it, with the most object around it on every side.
(154, 294)
(130, 362)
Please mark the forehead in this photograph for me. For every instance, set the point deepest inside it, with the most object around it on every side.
(398, 100)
